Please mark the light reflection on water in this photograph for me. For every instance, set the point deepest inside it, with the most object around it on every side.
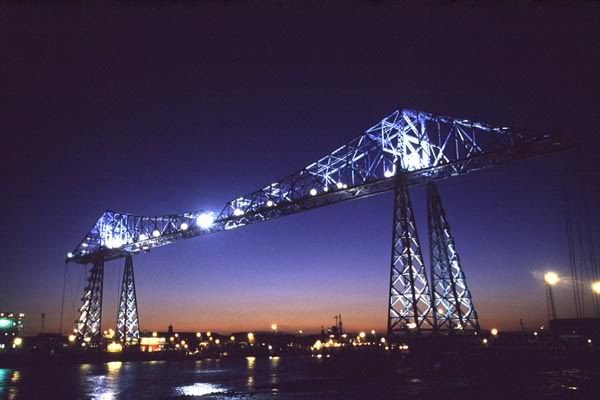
(105, 384)
(288, 378)
(250, 361)
(274, 364)
(4, 380)
(199, 389)
(8, 383)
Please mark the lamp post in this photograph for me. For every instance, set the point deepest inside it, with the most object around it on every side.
(596, 291)
(596, 287)
(550, 279)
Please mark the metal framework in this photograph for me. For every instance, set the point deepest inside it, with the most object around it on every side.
(128, 327)
(423, 146)
(90, 313)
(451, 299)
(406, 148)
(409, 301)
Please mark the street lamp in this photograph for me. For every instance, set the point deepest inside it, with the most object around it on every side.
(596, 287)
(550, 279)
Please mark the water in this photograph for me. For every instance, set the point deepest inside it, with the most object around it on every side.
(286, 378)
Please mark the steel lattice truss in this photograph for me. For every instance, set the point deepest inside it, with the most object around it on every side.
(409, 299)
(451, 298)
(423, 146)
(128, 327)
(90, 313)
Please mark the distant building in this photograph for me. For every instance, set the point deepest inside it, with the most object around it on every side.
(11, 325)
(152, 343)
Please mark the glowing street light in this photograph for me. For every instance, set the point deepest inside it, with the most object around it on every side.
(494, 332)
(269, 203)
(184, 226)
(596, 287)
(274, 327)
(362, 335)
(313, 192)
(551, 278)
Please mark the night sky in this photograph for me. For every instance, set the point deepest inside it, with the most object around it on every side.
(164, 109)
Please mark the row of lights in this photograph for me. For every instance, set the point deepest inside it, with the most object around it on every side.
(552, 278)
(203, 221)
(11, 315)
(313, 192)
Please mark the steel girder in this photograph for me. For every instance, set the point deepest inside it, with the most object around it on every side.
(409, 307)
(451, 299)
(422, 146)
(128, 327)
(90, 313)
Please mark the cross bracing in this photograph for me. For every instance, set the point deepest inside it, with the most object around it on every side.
(420, 145)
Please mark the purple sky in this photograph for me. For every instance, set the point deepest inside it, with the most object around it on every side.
(165, 109)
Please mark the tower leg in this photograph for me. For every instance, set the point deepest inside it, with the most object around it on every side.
(409, 307)
(451, 298)
(90, 313)
(128, 328)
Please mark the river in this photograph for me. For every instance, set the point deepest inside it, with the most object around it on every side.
(286, 378)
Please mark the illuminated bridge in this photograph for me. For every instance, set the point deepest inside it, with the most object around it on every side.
(406, 148)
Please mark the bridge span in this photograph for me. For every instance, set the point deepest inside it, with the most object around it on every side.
(406, 148)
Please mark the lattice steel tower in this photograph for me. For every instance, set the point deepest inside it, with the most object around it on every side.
(409, 299)
(451, 299)
(128, 327)
(90, 312)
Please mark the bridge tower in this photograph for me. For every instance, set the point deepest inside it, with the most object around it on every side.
(90, 313)
(409, 307)
(128, 327)
(450, 296)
